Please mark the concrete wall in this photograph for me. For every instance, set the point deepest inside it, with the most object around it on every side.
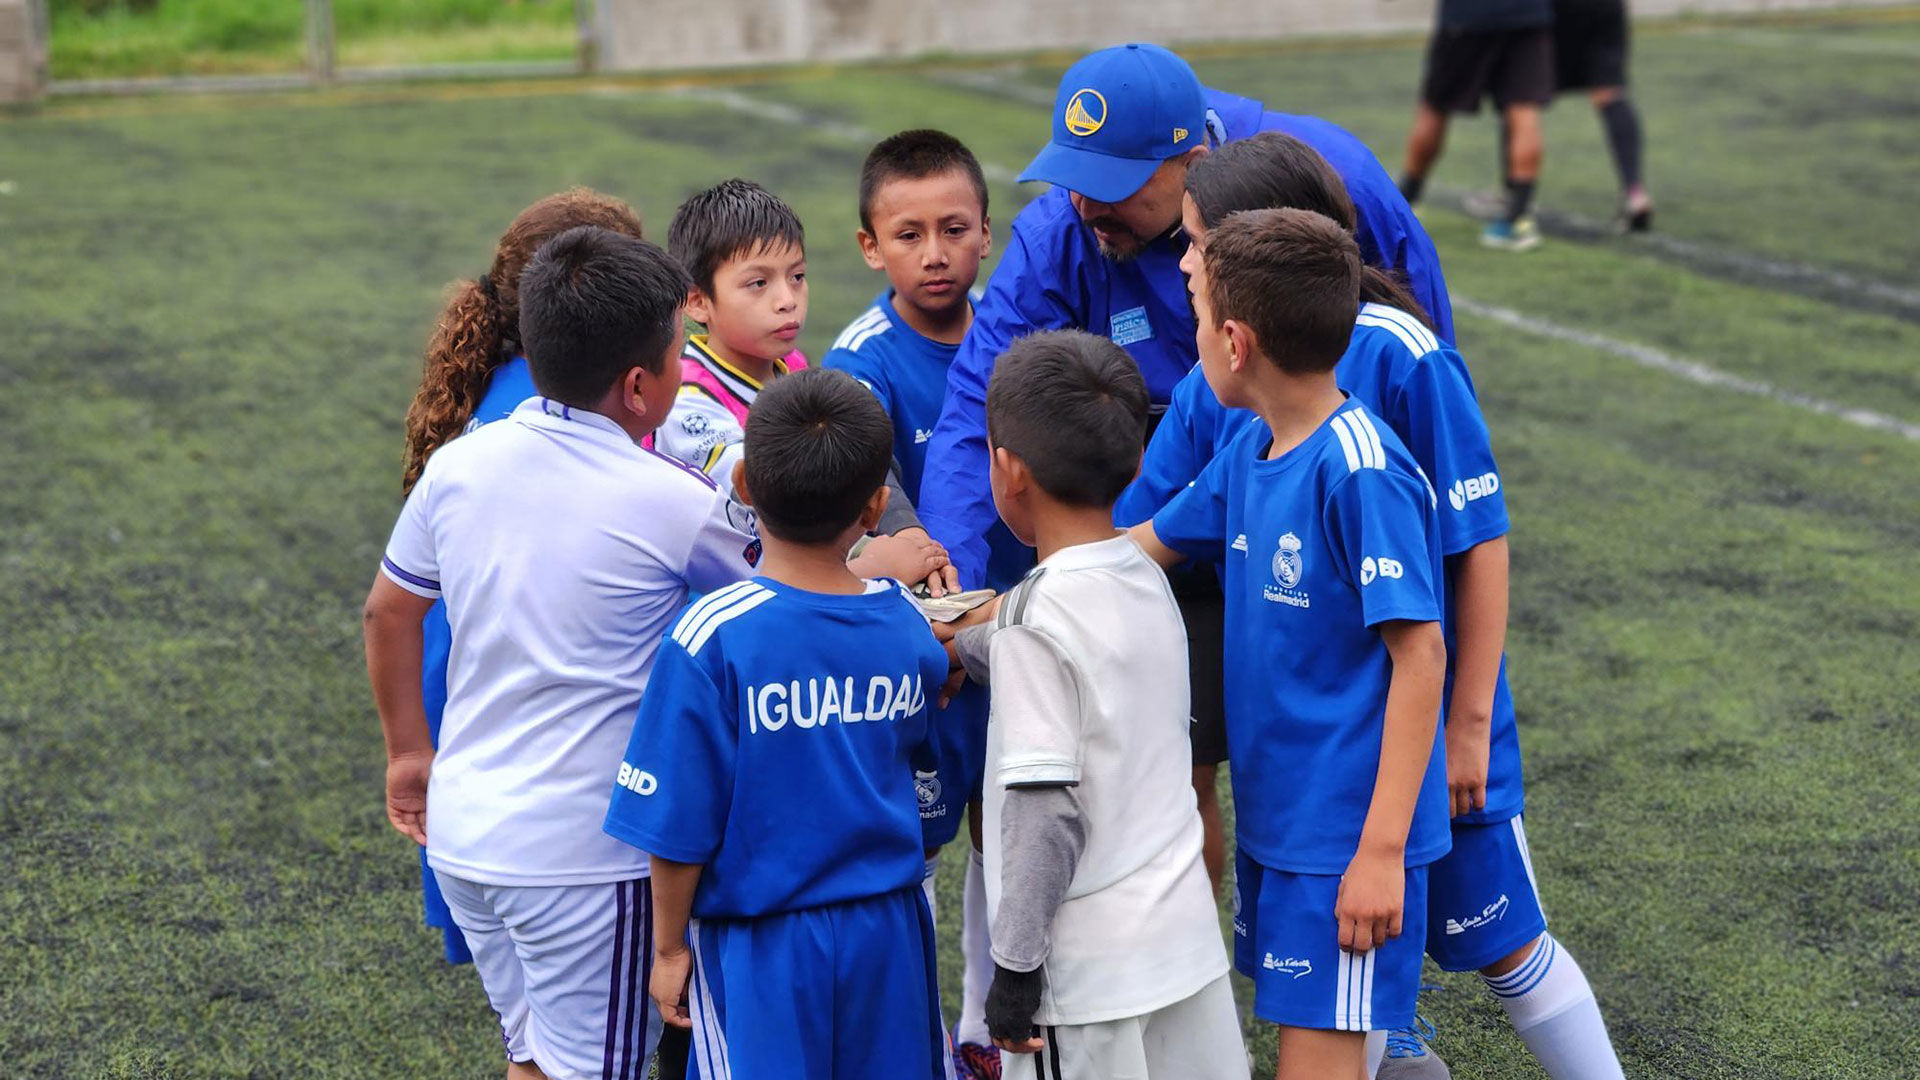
(651, 35)
(23, 50)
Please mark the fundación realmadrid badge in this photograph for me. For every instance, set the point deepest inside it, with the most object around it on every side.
(1287, 565)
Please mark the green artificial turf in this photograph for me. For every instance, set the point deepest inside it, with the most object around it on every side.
(213, 312)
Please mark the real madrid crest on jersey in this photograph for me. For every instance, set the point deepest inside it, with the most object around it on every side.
(1289, 566)
(926, 787)
(1286, 561)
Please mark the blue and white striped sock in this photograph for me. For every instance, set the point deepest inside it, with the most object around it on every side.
(1554, 1013)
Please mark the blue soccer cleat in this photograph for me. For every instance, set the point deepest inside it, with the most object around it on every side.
(1520, 234)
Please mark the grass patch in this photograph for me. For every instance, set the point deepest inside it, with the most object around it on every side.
(214, 314)
(119, 38)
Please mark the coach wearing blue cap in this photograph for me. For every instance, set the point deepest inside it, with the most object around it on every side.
(1101, 252)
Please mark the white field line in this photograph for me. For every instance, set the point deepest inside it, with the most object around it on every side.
(1690, 370)
(1738, 261)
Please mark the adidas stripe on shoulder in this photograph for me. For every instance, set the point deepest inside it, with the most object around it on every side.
(1013, 606)
(1412, 333)
(873, 322)
(716, 609)
(1360, 440)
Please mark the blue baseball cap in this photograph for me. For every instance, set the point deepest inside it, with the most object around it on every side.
(1119, 113)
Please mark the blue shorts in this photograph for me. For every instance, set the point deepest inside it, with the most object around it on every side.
(1286, 939)
(840, 992)
(1482, 898)
(960, 744)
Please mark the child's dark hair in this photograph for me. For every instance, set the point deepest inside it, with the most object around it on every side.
(916, 155)
(1293, 278)
(595, 304)
(732, 218)
(1271, 170)
(818, 447)
(480, 328)
(1073, 406)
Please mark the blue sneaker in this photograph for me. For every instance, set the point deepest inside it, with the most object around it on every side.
(1520, 234)
(1410, 1058)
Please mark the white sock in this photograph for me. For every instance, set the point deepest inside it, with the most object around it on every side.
(926, 885)
(977, 953)
(1553, 1012)
(1376, 1052)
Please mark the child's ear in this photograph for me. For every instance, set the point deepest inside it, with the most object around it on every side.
(1241, 345)
(740, 493)
(876, 508)
(632, 386)
(699, 306)
(869, 249)
(986, 236)
(1012, 469)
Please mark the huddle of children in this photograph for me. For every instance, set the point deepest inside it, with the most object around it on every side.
(729, 805)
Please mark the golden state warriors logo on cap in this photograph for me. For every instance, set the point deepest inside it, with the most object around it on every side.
(1086, 111)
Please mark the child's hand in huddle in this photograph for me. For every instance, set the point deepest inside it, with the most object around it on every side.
(909, 556)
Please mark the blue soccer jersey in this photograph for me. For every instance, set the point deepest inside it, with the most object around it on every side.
(1320, 546)
(775, 745)
(1420, 386)
(907, 371)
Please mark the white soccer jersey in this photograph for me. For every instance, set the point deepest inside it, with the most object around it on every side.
(564, 552)
(1090, 689)
(703, 433)
(706, 428)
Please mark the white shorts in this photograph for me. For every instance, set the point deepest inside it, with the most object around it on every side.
(566, 968)
(1197, 1038)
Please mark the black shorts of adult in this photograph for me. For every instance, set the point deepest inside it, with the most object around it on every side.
(1589, 44)
(1513, 67)
(1203, 607)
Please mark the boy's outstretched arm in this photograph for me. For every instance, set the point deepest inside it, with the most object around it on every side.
(1372, 896)
(1149, 542)
(1480, 637)
(391, 624)
(673, 887)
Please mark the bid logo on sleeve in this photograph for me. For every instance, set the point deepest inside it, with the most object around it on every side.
(1371, 568)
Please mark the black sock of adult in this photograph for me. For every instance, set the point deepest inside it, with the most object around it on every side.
(1622, 124)
(1519, 198)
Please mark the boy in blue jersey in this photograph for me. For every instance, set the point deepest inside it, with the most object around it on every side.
(1328, 535)
(924, 222)
(1486, 909)
(771, 775)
